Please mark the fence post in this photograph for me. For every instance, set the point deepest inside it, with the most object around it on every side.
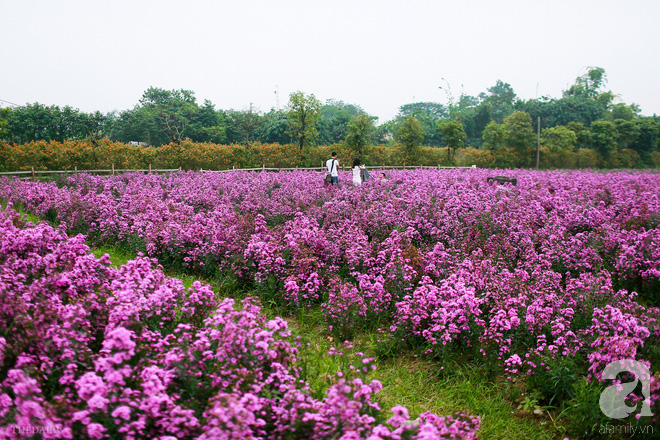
(263, 167)
(75, 168)
(34, 176)
(149, 168)
(113, 169)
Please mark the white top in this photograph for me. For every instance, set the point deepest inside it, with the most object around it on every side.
(357, 176)
(332, 166)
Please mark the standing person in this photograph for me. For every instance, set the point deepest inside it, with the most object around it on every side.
(332, 165)
(357, 172)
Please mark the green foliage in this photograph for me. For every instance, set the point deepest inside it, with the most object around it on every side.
(626, 133)
(500, 101)
(4, 116)
(519, 136)
(302, 115)
(603, 138)
(244, 125)
(273, 128)
(359, 132)
(558, 138)
(454, 135)
(335, 118)
(410, 135)
(493, 136)
(623, 111)
(209, 126)
(172, 111)
(648, 140)
(38, 122)
(589, 84)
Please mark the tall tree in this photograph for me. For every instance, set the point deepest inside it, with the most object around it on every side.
(209, 126)
(559, 138)
(648, 139)
(274, 128)
(603, 138)
(433, 109)
(454, 135)
(519, 136)
(493, 136)
(500, 100)
(303, 113)
(4, 118)
(245, 123)
(172, 111)
(359, 131)
(410, 135)
(589, 84)
(335, 117)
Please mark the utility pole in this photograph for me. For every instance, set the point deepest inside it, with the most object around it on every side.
(538, 142)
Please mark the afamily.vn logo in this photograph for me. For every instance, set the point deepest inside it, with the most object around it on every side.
(613, 398)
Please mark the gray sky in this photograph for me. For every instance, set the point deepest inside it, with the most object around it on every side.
(378, 54)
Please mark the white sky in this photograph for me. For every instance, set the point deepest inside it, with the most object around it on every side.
(378, 54)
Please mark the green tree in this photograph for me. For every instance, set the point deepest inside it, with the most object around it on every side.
(520, 137)
(38, 122)
(454, 135)
(209, 126)
(493, 136)
(4, 119)
(410, 135)
(589, 84)
(559, 138)
(95, 125)
(273, 128)
(244, 125)
(359, 131)
(172, 111)
(335, 117)
(648, 139)
(623, 111)
(603, 138)
(626, 133)
(500, 100)
(582, 133)
(303, 113)
(434, 109)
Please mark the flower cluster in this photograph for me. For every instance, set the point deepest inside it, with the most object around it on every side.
(89, 351)
(565, 264)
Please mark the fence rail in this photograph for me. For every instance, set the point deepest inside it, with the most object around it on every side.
(33, 173)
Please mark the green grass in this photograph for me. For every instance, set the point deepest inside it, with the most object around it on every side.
(118, 256)
(419, 384)
(26, 216)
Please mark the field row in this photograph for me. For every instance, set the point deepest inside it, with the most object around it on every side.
(544, 282)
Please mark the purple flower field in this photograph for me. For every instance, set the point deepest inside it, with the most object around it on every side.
(88, 351)
(559, 273)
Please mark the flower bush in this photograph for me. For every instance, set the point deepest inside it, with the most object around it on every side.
(89, 351)
(561, 270)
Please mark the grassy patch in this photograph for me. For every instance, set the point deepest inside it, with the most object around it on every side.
(26, 216)
(118, 256)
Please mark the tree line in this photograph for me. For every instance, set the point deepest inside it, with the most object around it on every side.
(584, 117)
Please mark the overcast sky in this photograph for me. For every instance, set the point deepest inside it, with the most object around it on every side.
(378, 54)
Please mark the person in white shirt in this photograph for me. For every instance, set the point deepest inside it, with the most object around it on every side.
(332, 166)
(357, 172)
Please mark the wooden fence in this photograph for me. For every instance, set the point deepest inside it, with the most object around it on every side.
(33, 173)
